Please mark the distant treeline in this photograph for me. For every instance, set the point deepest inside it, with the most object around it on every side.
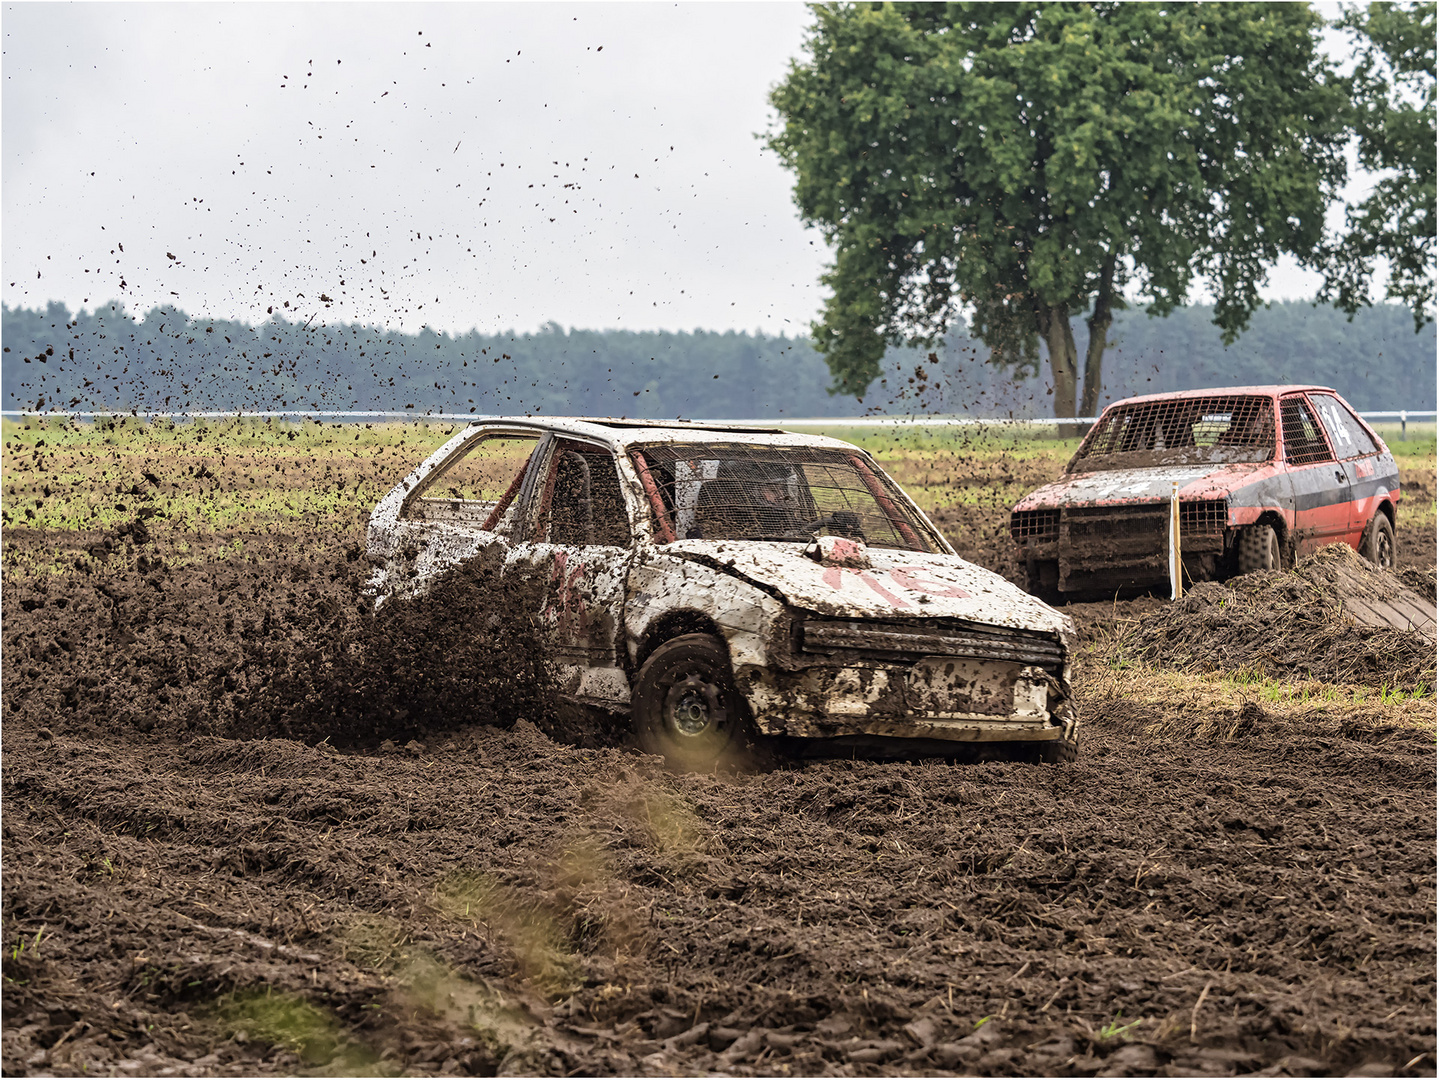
(166, 360)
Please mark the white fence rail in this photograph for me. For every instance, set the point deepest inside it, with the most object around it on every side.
(815, 421)
(1402, 415)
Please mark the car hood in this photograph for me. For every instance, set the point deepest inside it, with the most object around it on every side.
(897, 584)
(1142, 485)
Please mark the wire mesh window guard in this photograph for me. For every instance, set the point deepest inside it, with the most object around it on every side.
(1303, 440)
(1236, 427)
(730, 491)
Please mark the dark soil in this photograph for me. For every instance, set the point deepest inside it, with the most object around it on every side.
(1297, 623)
(448, 890)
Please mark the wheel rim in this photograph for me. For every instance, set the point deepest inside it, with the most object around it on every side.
(693, 707)
(1385, 545)
(1272, 555)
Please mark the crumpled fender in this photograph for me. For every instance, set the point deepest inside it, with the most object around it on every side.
(661, 584)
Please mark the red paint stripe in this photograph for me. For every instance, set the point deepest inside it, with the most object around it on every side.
(543, 532)
(882, 497)
(657, 504)
(509, 497)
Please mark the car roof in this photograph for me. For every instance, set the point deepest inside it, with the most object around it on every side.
(624, 432)
(1224, 391)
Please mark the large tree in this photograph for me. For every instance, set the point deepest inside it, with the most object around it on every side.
(1025, 163)
(1392, 87)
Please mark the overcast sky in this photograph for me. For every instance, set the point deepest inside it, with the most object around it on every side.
(459, 165)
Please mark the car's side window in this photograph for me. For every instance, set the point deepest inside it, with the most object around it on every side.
(583, 504)
(476, 487)
(1346, 434)
(1303, 439)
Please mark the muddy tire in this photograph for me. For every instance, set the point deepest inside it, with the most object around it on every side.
(1259, 549)
(1378, 543)
(1041, 579)
(686, 707)
(1060, 750)
(1054, 752)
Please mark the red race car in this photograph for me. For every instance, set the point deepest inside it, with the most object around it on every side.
(1265, 473)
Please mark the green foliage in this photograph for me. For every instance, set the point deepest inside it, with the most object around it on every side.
(1024, 161)
(1375, 361)
(307, 1030)
(168, 360)
(1392, 90)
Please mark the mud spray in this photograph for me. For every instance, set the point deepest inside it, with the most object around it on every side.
(281, 642)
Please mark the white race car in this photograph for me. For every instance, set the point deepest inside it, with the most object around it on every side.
(725, 587)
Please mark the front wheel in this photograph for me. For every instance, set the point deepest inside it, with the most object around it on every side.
(686, 707)
(1378, 543)
(1060, 750)
(1259, 549)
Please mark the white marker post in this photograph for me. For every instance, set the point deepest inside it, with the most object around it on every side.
(1176, 565)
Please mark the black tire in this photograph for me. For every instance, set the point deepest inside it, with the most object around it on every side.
(686, 707)
(1060, 750)
(1053, 752)
(1041, 580)
(1378, 544)
(1259, 549)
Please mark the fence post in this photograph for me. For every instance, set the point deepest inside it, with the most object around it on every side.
(1176, 563)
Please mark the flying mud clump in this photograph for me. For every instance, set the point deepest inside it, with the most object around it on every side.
(1334, 617)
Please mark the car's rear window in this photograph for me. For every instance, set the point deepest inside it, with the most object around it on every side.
(737, 491)
(1180, 430)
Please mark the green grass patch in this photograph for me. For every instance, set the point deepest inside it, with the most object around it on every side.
(309, 1032)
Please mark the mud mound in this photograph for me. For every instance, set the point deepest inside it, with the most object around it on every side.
(1331, 618)
(1421, 581)
(472, 898)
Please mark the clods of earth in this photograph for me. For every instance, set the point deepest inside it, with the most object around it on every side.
(251, 828)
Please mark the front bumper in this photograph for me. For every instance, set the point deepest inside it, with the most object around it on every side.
(846, 679)
(1124, 545)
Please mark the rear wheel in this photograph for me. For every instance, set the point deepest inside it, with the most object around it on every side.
(686, 706)
(1378, 543)
(1259, 549)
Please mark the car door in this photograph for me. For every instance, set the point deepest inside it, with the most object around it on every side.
(576, 562)
(464, 506)
(1319, 483)
(1358, 456)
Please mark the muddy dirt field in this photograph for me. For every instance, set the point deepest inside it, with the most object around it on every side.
(196, 884)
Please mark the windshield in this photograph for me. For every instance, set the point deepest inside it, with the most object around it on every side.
(718, 491)
(1179, 431)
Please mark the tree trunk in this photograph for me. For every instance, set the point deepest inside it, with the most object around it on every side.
(1063, 362)
(1099, 324)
